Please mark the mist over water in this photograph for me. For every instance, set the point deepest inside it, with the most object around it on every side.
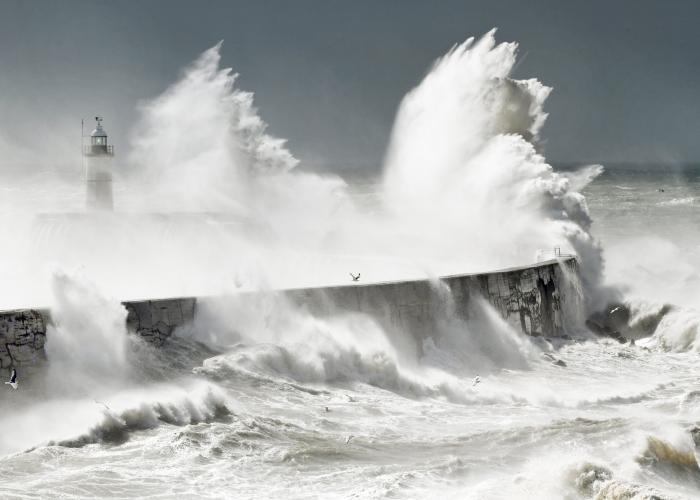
(264, 399)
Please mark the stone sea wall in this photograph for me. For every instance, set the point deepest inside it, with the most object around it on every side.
(155, 320)
(533, 299)
(22, 338)
(537, 300)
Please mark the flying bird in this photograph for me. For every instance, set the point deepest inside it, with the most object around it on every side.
(476, 380)
(13, 379)
(355, 278)
(103, 404)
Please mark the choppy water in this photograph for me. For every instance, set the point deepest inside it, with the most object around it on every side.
(302, 407)
(651, 237)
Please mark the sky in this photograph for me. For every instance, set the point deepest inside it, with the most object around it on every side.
(329, 75)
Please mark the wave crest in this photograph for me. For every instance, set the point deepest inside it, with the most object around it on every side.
(117, 427)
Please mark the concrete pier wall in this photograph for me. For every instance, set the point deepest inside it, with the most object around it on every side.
(532, 299)
(155, 320)
(22, 338)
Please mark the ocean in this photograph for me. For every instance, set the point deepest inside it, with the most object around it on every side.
(315, 408)
(270, 401)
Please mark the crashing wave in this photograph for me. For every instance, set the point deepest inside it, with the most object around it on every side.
(204, 138)
(332, 364)
(117, 427)
(597, 482)
(463, 154)
(660, 451)
(679, 331)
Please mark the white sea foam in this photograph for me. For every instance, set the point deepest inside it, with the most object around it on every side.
(688, 200)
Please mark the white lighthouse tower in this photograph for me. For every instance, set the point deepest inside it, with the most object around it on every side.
(98, 169)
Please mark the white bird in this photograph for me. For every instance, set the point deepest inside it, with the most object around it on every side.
(355, 278)
(13, 379)
(103, 404)
(347, 439)
(476, 380)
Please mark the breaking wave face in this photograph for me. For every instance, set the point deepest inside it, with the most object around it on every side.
(464, 152)
(678, 330)
(117, 425)
(267, 337)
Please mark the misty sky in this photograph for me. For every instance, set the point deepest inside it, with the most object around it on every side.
(329, 75)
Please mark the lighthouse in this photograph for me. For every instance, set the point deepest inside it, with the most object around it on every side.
(98, 169)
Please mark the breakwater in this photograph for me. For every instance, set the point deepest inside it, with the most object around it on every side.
(540, 300)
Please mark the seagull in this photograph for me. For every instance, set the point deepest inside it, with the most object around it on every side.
(103, 404)
(327, 409)
(476, 380)
(13, 379)
(355, 278)
(347, 439)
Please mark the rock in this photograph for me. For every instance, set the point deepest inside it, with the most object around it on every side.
(695, 433)
(590, 477)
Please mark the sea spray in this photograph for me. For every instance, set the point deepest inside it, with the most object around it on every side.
(212, 196)
(87, 338)
(143, 410)
(199, 142)
(201, 146)
(206, 195)
(268, 336)
(475, 341)
(463, 165)
(678, 330)
(101, 383)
